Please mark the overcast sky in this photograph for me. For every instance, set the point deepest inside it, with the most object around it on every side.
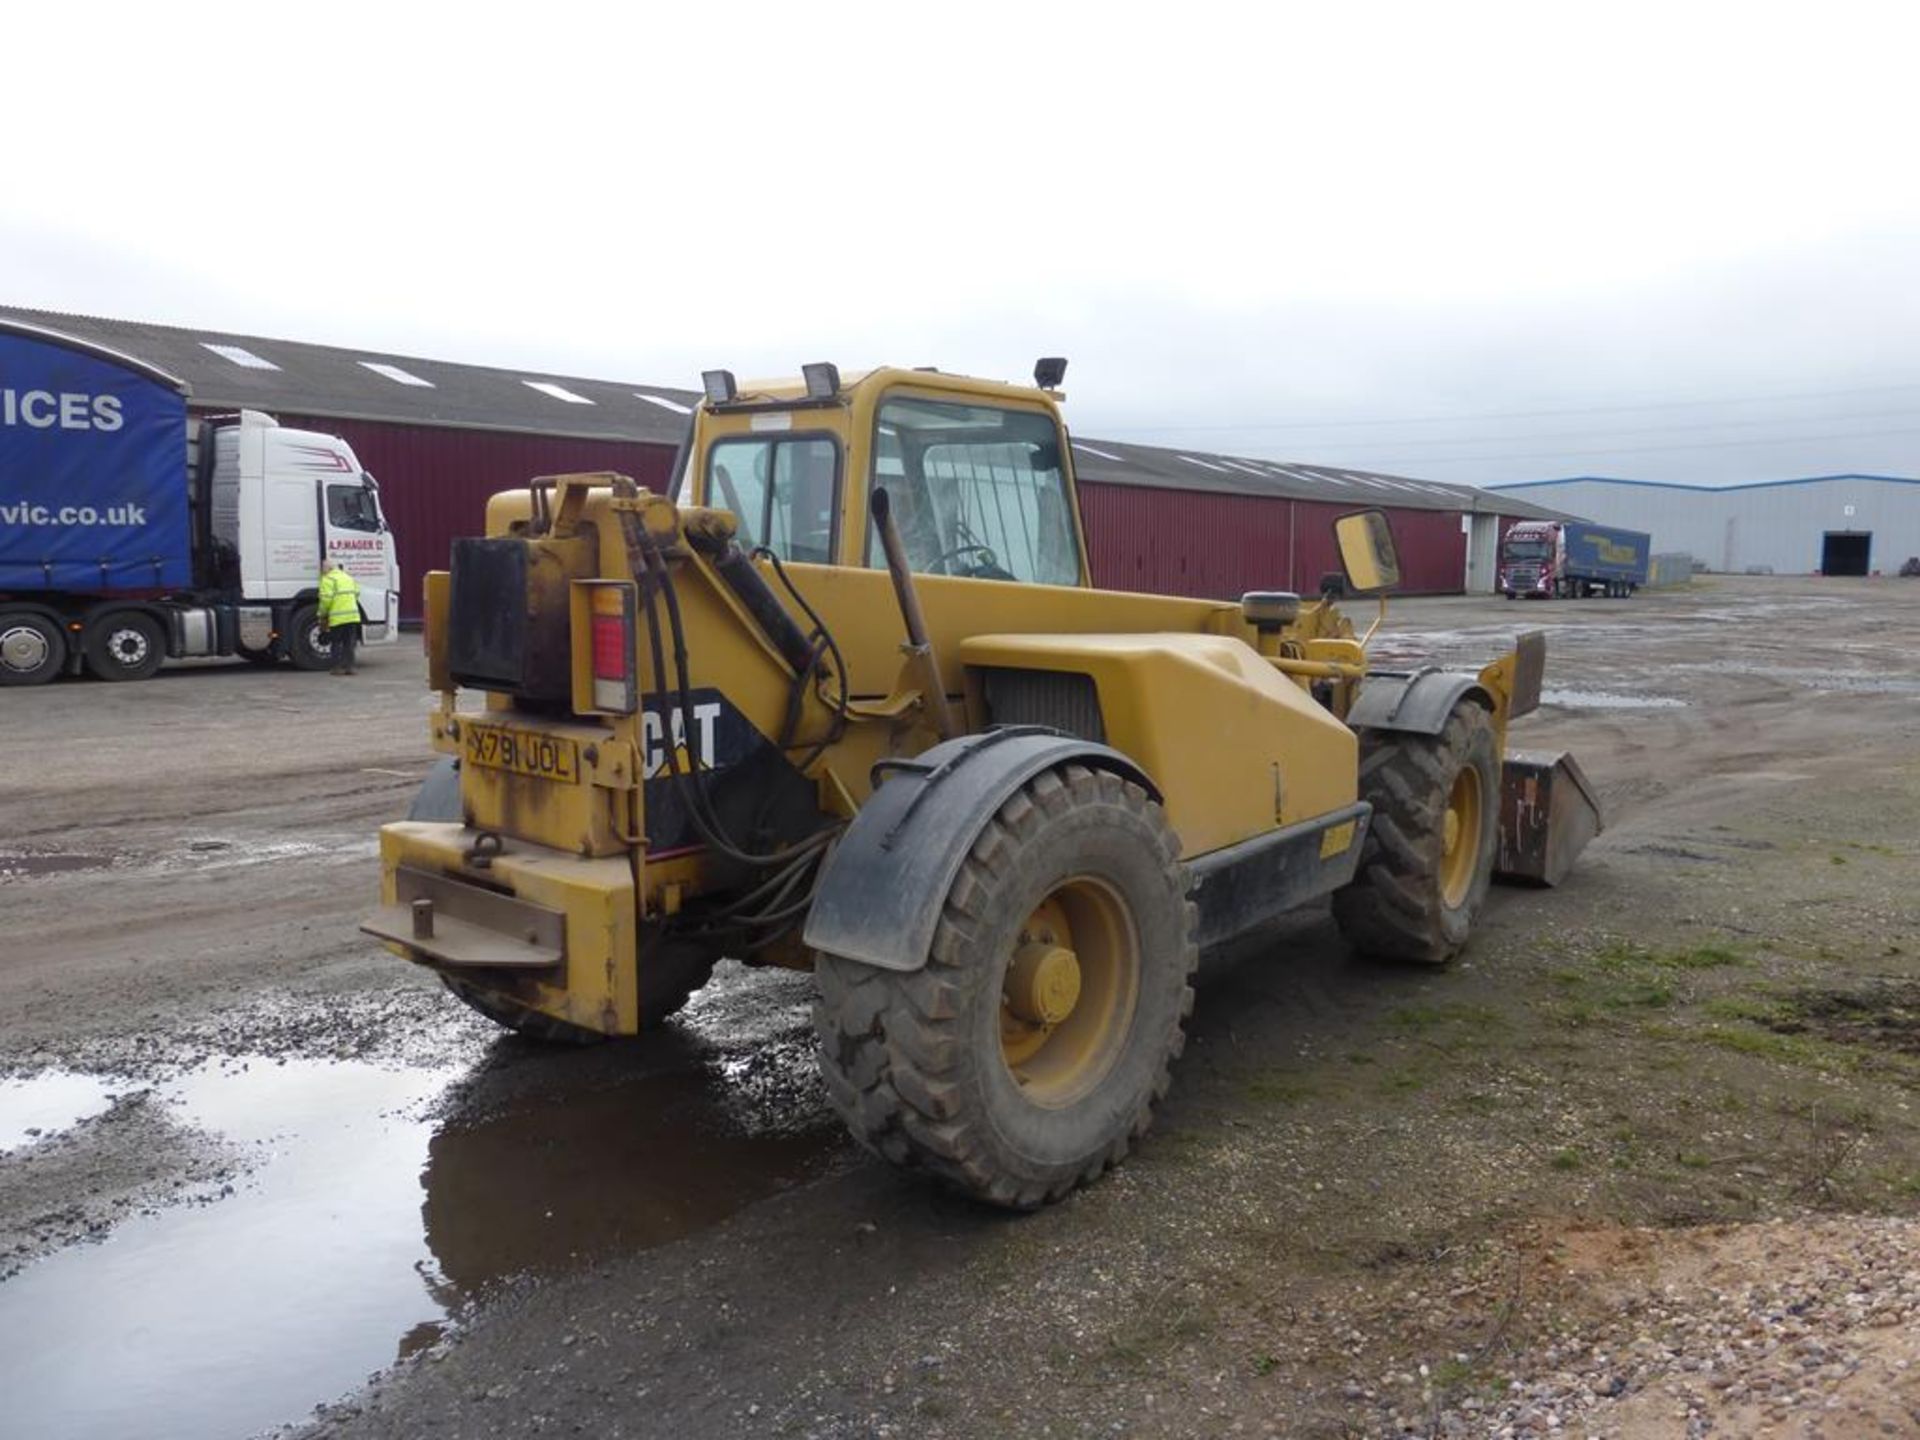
(1472, 242)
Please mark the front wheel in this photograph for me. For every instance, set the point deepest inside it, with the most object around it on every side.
(1028, 1053)
(1428, 857)
(305, 641)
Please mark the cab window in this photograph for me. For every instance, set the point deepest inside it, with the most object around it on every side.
(352, 507)
(781, 489)
(977, 491)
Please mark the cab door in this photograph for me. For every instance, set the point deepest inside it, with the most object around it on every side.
(357, 537)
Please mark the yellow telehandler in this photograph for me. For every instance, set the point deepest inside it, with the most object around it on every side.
(848, 702)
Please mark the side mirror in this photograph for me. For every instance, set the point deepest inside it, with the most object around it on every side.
(1366, 552)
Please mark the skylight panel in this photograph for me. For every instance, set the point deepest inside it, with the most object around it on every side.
(1247, 469)
(239, 355)
(395, 374)
(1307, 475)
(1205, 464)
(664, 403)
(1086, 449)
(557, 391)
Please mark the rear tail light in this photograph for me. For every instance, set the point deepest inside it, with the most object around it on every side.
(610, 612)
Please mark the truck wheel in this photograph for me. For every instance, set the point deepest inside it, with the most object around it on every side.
(1028, 1054)
(124, 645)
(306, 646)
(32, 649)
(1429, 852)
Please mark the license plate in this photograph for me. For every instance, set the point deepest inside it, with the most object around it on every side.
(545, 757)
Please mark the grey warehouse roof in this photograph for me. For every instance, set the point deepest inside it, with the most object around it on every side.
(289, 377)
(230, 371)
(1113, 463)
(1709, 489)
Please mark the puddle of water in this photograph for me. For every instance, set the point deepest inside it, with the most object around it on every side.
(19, 867)
(1601, 700)
(369, 1221)
(551, 1182)
(227, 1319)
(37, 1106)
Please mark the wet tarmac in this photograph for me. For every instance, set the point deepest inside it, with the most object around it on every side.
(23, 867)
(378, 1203)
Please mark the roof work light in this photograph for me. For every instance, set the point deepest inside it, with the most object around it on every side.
(1049, 371)
(720, 386)
(823, 380)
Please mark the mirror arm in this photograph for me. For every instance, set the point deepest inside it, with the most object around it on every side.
(1378, 621)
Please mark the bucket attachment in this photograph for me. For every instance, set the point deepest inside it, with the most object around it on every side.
(1548, 813)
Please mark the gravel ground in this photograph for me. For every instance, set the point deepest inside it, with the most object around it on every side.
(1807, 1327)
(1657, 1131)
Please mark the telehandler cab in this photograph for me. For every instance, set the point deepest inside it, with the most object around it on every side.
(848, 702)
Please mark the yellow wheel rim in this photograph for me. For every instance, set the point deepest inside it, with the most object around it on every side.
(1460, 837)
(1068, 992)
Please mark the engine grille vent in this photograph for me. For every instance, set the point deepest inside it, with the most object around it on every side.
(1059, 699)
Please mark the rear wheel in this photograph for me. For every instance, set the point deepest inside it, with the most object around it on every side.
(669, 972)
(124, 645)
(1429, 852)
(517, 1018)
(305, 641)
(32, 649)
(1028, 1054)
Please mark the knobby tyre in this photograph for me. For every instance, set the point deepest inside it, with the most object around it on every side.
(1028, 1054)
(1430, 847)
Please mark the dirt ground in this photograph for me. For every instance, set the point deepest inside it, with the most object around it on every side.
(1645, 1163)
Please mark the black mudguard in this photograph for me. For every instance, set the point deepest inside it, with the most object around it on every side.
(1416, 704)
(881, 891)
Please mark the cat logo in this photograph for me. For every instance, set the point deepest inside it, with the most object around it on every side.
(657, 723)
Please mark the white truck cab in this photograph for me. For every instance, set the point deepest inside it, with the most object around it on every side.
(284, 500)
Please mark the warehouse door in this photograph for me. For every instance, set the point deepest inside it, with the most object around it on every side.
(1845, 552)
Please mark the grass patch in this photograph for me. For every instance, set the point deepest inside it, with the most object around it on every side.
(1421, 1018)
(1623, 957)
(1280, 1090)
(1565, 1160)
(1743, 1007)
(1641, 995)
(1768, 1045)
(1700, 957)
(1575, 1014)
(1455, 1375)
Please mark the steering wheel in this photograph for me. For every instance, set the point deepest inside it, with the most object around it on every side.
(988, 568)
